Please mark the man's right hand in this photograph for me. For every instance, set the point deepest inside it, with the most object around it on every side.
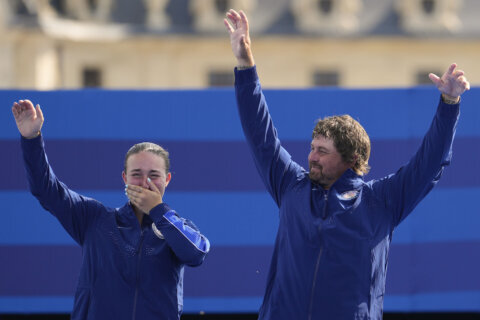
(237, 27)
(28, 118)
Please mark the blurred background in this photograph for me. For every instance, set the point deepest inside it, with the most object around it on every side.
(71, 44)
(111, 73)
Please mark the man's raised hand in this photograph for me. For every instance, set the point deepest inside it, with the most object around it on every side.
(237, 26)
(28, 118)
(452, 83)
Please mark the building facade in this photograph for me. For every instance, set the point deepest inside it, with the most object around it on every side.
(171, 44)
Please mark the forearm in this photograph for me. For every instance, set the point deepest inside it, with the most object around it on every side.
(36, 165)
(253, 111)
(185, 240)
(272, 161)
(412, 182)
(439, 138)
(66, 205)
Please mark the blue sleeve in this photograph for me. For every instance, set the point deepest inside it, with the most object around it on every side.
(403, 190)
(182, 236)
(273, 162)
(74, 211)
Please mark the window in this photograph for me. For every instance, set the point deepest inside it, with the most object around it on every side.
(221, 6)
(428, 6)
(423, 79)
(333, 17)
(325, 6)
(221, 79)
(92, 77)
(326, 78)
(430, 16)
(60, 6)
(92, 4)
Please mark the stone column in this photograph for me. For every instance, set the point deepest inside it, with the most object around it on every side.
(156, 16)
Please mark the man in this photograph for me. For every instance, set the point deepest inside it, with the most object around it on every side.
(133, 256)
(330, 255)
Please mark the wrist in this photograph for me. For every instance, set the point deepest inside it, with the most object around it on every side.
(449, 99)
(243, 67)
(33, 136)
(243, 64)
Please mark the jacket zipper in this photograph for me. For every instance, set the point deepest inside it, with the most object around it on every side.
(315, 274)
(313, 286)
(138, 275)
(325, 197)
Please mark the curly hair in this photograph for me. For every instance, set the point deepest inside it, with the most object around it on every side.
(349, 138)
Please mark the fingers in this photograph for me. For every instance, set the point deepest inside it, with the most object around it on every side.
(244, 19)
(142, 198)
(234, 14)
(435, 79)
(132, 191)
(451, 68)
(15, 110)
(238, 20)
(229, 27)
(464, 82)
(134, 194)
(152, 186)
(39, 113)
(21, 108)
(26, 105)
(22, 105)
(453, 82)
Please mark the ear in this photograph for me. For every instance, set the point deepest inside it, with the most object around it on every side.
(124, 176)
(169, 177)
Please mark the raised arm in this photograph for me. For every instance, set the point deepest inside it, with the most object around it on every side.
(273, 162)
(237, 27)
(403, 190)
(67, 206)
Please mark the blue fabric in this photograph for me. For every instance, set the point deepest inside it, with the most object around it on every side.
(127, 271)
(331, 251)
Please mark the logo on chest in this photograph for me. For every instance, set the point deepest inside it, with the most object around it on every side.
(348, 195)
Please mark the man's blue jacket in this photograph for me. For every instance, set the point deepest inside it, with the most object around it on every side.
(128, 271)
(330, 255)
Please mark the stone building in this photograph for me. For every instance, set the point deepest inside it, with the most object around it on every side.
(171, 44)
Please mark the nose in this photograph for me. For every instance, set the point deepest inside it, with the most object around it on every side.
(144, 182)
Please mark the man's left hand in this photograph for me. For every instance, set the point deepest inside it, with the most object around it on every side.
(452, 83)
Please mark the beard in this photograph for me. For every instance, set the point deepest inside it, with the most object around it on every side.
(316, 175)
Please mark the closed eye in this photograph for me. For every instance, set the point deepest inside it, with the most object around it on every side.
(319, 150)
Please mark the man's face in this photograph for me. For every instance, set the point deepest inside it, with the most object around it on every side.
(326, 164)
(144, 165)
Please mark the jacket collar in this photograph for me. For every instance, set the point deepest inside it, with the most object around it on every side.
(349, 180)
(126, 215)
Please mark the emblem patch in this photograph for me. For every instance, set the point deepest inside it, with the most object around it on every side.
(349, 195)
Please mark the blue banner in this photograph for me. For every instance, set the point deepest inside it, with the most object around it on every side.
(435, 254)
